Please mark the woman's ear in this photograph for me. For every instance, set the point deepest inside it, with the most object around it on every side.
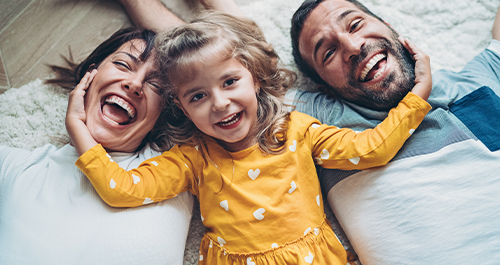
(176, 101)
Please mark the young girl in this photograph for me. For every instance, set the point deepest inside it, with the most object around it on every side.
(250, 162)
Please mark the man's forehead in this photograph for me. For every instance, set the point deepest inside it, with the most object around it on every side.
(321, 21)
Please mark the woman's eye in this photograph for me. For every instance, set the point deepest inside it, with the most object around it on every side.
(230, 82)
(121, 64)
(155, 87)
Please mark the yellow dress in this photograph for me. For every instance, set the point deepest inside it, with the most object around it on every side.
(259, 208)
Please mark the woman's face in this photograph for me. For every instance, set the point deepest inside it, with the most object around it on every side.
(122, 104)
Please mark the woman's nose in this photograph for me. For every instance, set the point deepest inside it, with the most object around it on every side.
(133, 85)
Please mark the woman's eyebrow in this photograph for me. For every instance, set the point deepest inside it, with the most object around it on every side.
(133, 57)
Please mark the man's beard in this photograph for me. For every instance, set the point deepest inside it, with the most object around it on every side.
(392, 89)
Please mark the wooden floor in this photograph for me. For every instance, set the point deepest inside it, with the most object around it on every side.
(34, 33)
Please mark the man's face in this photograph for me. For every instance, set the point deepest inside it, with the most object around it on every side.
(358, 56)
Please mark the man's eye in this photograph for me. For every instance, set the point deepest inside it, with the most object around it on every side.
(355, 25)
(328, 54)
(230, 82)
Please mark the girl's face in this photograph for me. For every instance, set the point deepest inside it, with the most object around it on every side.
(222, 102)
(121, 104)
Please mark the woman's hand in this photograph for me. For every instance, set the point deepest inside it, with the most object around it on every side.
(76, 109)
(80, 136)
(423, 75)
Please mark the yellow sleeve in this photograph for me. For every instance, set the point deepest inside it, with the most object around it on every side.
(156, 179)
(346, 149)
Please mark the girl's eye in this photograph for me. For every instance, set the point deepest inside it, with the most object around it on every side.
(230, 82)
(197, 97)
(355, 25)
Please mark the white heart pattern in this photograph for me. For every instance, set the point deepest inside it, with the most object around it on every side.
(317, 201)
(202, 218)
(147, 201)
(201, 257)
(250, 262)
(253, 174)
(154, 163)
(293, 188)
(293, 147)
(259, 214)
(274, 245)
(412, 131)
(224, 205)
(354, 160)
(325, 154)
(112, 184)
(136, 179)
(309, 259)
(307, 230)
(315, 125)
(221, 241)
(318, 160)
(316, 231)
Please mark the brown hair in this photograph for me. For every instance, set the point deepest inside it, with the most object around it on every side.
(230, 37)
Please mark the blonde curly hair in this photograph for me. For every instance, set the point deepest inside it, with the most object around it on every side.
(229, 37)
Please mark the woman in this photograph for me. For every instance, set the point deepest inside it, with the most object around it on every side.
(49, 212)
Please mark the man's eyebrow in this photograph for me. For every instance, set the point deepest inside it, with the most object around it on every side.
(318, 45)
(344, 14)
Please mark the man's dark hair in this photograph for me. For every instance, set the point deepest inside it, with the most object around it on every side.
(298, 20)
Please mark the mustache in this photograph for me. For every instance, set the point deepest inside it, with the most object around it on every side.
(356, 61)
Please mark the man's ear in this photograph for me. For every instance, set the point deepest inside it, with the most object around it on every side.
(176, 101)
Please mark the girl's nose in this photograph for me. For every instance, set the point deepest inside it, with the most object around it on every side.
(220, 102)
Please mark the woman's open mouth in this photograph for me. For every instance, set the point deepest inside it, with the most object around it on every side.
(117, 110)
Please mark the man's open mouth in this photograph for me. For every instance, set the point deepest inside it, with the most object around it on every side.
(374, 68)
(117, 110)
(230, 120)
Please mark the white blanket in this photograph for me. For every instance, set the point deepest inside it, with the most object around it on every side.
(450, 31)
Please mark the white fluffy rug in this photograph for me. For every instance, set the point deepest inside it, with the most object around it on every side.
(450, 31)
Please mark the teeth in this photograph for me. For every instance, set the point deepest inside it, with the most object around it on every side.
(373, 61)
(123, 104)
(229, 120)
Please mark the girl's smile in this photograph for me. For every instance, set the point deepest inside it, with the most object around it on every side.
(221, 101)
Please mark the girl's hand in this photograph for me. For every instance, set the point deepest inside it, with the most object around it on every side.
(80, 136)
(423, 75)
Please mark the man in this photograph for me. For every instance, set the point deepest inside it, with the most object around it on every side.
(437, 202)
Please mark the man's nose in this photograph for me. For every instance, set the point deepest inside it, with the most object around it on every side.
(351, 46)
